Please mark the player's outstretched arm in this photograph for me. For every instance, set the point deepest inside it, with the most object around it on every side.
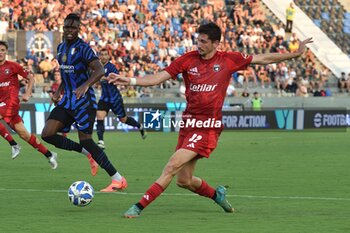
(29, 88)
(145, 81)
(268, 58)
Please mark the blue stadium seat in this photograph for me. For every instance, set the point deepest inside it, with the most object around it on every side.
(347, 15)
(347, 30)
(325, 16)
(346, 22)
(317, 22)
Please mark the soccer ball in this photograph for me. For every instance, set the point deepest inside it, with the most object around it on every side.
(80, 193)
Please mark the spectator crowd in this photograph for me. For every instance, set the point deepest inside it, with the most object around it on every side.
(144, 36)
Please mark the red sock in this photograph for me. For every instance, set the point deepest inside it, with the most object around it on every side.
(151, 194)
(205, 190)
(38, 146)
(5, 133)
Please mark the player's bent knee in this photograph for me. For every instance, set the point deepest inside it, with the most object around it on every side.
(48, 139)
(24, 136)
(170, 170)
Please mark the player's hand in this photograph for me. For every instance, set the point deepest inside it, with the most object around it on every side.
(80, 91)
(302, 45)
(25, 97)
(115, 79)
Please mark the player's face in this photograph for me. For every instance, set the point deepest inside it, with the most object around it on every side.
(57, 76)
(70, 30)
(206, 48)
(104, 57)
(3, 52)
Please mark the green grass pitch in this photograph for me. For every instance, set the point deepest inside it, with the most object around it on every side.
(278, 182)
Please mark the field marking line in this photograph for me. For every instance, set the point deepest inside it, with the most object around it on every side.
(189, 194)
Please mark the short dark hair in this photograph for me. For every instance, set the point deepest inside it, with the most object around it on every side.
(104, 50)
(4, 43)
(212, 30)
(73, 16)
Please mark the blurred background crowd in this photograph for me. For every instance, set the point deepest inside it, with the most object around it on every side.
(144, 36)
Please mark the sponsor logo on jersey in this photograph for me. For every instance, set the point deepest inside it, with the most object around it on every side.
(2, 104)
(7, 71)
(72, 51)
(202, 87)
(5, 84)
(193, 71)
(67, 68)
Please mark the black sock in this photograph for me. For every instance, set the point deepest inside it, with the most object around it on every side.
(100, 129)
(214, 197)
(13, 143)
(99, 156)
(139, 205)
(48, 154)
(131, 121)
(63, 143)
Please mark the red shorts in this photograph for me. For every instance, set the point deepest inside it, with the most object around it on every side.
(201, 141)
(10, 115)
(8, 109)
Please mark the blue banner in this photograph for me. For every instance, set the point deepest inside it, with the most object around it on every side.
(40, 42)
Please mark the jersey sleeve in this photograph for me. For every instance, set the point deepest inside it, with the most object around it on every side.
(177, 66)
(89, 54)
(239, 61)
(110, 68)
(114, 69)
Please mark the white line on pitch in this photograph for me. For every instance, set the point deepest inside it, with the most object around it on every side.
(189, 194)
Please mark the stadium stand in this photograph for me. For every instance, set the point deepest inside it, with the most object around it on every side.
(144, 36)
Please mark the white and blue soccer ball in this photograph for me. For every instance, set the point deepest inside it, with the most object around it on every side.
(80, 193)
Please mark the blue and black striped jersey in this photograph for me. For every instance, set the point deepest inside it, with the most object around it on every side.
(74, 59)
(110, 93)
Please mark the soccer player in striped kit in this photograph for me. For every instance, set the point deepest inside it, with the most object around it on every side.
(111, 99)
(80, 68)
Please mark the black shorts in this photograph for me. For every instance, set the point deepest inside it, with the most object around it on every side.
(116, 107)
(83, 119)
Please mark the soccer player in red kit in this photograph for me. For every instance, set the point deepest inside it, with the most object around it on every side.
(207, 74)
(9, 103)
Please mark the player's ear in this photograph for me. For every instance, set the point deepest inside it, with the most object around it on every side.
(216, 43)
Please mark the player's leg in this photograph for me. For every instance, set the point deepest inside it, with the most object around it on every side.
(85, 129)
(185, 179)
(7, 136)
(119, 110)
(18, 126)
(131, 121)
(58, 120)
(177, 161)
(203, 142)
(100, 116)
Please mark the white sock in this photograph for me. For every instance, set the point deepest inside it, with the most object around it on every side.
(85, 152)
(117, 176)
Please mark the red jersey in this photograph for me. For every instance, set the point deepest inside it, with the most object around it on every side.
(206, 81)
(9, 85)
